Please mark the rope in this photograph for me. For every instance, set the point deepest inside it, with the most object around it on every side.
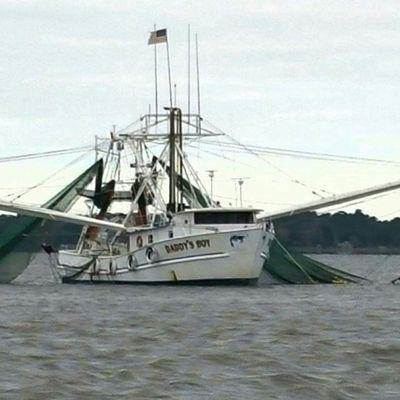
(281, 171)
(307, 154)
(30, 156)
(294, 260)
(84, 268)
(290, 177)
(75, 160)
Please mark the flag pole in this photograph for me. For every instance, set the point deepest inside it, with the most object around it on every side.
(169, 75)
(155, 78)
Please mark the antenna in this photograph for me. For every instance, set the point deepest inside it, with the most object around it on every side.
(240, 181)
(175, 94)
(211, 175)
(198, 85)
(96, 150)
(188, 100)
(155, 78)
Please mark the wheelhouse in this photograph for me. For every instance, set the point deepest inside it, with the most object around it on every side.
(216, 217)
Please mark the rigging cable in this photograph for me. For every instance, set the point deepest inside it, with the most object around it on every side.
(30, 156)
(304, 154)
(288, 176)
(75, 160)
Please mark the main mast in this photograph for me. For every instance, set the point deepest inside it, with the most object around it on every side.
(171, 206)
(175, 159)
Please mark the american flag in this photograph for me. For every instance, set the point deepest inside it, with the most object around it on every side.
(158, 36)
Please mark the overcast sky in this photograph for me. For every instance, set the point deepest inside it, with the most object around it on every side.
(318, 76)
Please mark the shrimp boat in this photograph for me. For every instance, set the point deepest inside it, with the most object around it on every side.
(171, 230)
(187, 239)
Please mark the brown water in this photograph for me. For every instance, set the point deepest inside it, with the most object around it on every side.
(149, 342)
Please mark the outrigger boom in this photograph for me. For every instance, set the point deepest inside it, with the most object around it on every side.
(333, 200)
(53, 215)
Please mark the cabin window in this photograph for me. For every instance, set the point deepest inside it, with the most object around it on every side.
(221, 217)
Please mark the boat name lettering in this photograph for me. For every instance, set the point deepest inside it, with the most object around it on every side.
(187, 245)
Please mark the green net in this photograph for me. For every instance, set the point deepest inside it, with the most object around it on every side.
(287, 266)
(192, 194)
(20, 238)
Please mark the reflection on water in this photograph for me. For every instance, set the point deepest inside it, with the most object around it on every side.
(147, 342)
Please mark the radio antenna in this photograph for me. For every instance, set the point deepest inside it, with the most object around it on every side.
(155, 79)
(198, 85)
(188, 99)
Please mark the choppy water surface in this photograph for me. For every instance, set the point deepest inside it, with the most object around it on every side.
(148, 342)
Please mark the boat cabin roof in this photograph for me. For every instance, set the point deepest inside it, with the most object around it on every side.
(207, 216)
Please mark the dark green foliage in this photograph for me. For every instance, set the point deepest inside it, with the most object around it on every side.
(360, 231)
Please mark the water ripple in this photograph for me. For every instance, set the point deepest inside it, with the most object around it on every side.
(281, 342)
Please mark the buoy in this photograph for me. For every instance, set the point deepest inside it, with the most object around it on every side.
(132, 262)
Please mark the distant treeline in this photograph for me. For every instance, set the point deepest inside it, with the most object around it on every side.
(339, 232)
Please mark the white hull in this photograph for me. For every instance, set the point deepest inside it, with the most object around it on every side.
(224, 256)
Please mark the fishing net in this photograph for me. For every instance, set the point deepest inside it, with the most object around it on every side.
(21, 236)
(288, 266)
